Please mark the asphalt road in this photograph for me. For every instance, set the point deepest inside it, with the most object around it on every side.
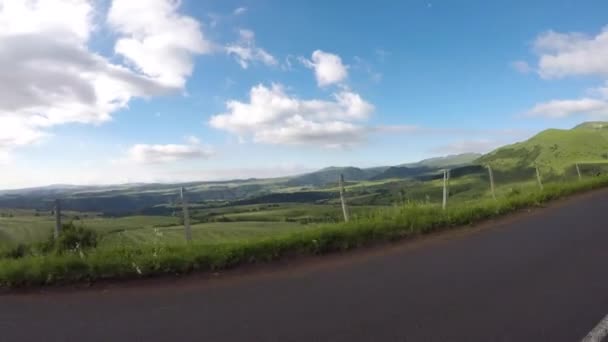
(540, 276)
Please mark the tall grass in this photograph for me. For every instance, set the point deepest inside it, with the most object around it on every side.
(389, 224)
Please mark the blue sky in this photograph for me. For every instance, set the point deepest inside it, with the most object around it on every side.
(230, 89)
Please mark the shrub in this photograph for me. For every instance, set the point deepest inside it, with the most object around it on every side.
(16, 252)
(71, 238)
(515, 191)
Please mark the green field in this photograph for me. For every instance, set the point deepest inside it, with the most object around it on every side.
(239, 242)
(236, 223)
(28, 226)
(139, 230)
(208, 233)
(209, 225)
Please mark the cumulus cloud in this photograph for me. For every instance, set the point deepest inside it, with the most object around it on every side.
(573, 54)
(468, 146)
(328, 67)
(239, 10)
(398, 129)
(158, 40)
(246, 52)
(156, 154)
(15, 132)
(602, 91)
(569, 54)
(564, 108)
(55, 78)
(272, 116)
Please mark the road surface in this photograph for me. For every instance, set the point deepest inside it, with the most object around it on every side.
(539, 276)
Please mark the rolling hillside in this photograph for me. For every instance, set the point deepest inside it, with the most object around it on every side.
(410, 170)
(331, 174)
(554, 150)
(447, 161)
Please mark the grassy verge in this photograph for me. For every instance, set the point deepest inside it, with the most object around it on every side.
(119, 262)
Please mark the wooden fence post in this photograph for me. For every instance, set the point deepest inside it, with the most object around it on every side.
(540, 182)
(578, 171)
(344, 208)
(187, 229)
(57, 219)
(449, 176)
(491, 174)
(445, 189)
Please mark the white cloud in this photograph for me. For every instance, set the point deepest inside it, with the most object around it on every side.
(272, 116)
(55, 78)
(573, 54)
(239, 10)
(522, 67)
(245, 51)
(564, 108)
(601, 91)
(33, 17)
(15, 132)
(155, 154)
(398, 129)
(158, 40)
(100, 172)
(328, 67)
(570, 54)
(192, 140)
(468, 146)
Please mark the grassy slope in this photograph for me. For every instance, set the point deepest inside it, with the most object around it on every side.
(388, 224)
(251, 220)
(25, 227)
(14, 230)
(106, 225)
(554, 150)
(440, 162)
(206, 233)
(331, 174)
(220, 245)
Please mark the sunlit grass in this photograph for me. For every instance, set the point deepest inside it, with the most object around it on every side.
(160, 257)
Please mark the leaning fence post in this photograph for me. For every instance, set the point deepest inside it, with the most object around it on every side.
(342, 200)
(449, 176)
(578, 171)
(57, 219)
(491, 174)
(187, 229)
(445, 189)
(540, 183)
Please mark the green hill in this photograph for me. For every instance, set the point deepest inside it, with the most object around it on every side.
(427, 167)
(331, 174)
(555, 150)
(443, 162)
(402, 172)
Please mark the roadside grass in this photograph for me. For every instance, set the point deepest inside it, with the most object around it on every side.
(210, 233)
(224, 224)
(159, 257)
(24, 227)
(105, 225)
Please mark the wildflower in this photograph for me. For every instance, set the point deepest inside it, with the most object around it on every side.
(137, 269)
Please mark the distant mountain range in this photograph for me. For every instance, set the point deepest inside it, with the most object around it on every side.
(331, 174)
(554, 150)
